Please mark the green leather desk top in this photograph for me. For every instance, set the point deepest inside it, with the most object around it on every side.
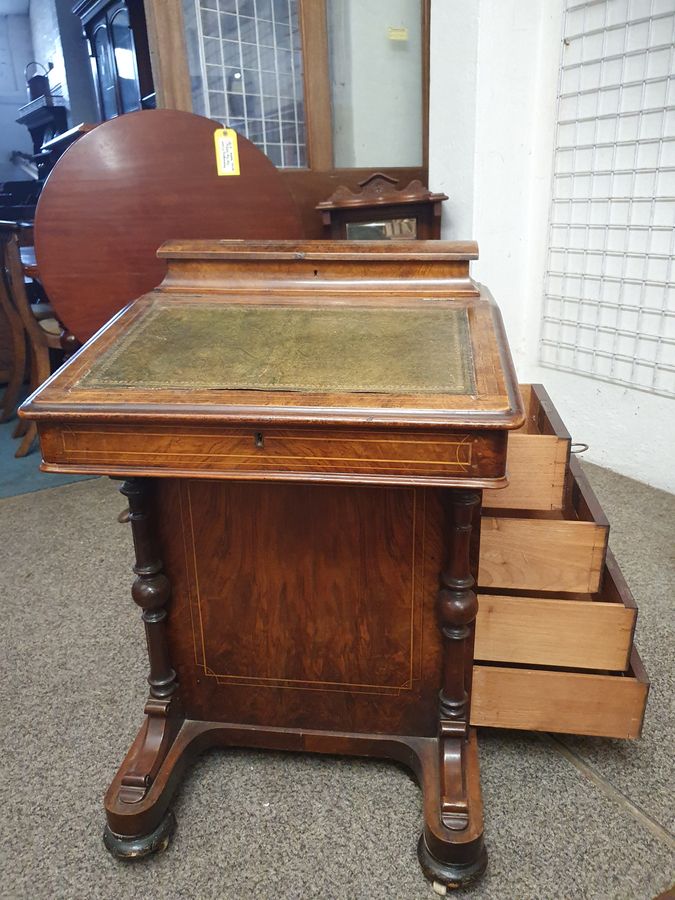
(338, 349)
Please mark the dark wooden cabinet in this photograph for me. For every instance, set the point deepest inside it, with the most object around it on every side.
(120, 57)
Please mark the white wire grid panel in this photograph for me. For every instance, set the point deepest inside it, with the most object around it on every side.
(609, 308)
(245, 62)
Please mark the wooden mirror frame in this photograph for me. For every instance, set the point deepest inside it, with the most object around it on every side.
(168, 53)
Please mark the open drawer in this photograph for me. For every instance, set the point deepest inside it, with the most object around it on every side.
(603, 705)
(538, 454)
(562, 551)
(585, 631)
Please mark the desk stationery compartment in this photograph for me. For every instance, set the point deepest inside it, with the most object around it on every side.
(262, 451)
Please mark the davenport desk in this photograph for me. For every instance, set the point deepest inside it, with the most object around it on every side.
(304, 431)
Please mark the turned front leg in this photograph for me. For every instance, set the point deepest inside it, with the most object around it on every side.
(151, 590)
(457, 607)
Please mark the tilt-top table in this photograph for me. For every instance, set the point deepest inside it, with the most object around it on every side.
(304, 430)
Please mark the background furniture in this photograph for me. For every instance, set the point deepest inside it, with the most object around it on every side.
(381, 211)
(18, 199)
(118, 46)
(38, 328)
(129, 185)
(11, 330)
(46, 118)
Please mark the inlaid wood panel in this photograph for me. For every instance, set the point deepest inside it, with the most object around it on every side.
(441, 458)
(298, 603)
(251, 621)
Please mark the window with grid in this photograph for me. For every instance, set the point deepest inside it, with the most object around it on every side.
(314, 83)
(247, 71)
(609, 308)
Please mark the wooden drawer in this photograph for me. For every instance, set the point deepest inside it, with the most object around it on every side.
(555, 700)
(249, 452)
(585, 631)
(537, 457)
(560, 551)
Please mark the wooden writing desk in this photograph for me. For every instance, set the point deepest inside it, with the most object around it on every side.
(305, 430)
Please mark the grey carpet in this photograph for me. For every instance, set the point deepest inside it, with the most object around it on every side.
(583, 820)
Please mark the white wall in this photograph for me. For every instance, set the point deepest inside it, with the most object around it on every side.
(57, 38)
(47, 46)
(377, 91)
(15, 52)
(494, 74)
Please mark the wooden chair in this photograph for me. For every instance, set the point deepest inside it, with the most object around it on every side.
(10, 322)
(39, 327)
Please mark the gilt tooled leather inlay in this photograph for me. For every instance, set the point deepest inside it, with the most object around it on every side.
(212, 346)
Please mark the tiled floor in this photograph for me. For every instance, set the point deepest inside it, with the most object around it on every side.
(566, 817)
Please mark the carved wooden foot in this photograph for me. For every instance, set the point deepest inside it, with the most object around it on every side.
(448, 858)
(447, 876)
(453, 857)
(160, 728)
(131, 848)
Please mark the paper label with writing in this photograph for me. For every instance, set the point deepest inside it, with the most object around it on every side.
(397, 33)
(227, 151)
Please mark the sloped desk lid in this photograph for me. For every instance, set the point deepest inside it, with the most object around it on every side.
(215, 346)
(332, 354)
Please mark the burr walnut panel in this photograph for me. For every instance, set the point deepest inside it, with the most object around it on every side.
(343, 604)
(276, 453)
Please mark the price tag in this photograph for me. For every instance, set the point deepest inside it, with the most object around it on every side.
(227, 151)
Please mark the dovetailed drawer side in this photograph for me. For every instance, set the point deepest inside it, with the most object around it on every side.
(591, 631)
(537, 457)
(560, 552)
(602, 705)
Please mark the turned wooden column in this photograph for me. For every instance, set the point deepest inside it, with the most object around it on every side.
(151, 590)
(457, 607)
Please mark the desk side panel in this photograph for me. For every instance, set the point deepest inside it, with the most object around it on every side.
(304, 606)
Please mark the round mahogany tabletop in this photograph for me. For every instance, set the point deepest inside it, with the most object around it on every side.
(132, 183)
